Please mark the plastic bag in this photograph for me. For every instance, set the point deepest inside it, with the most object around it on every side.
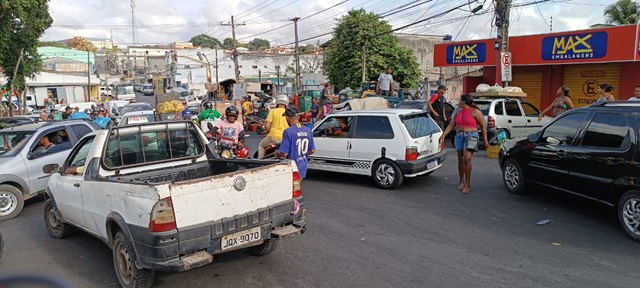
(513, 89)
(496, 88)
(482, 87)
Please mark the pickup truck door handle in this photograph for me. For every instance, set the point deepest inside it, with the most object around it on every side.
(76, 184)
(529, 120)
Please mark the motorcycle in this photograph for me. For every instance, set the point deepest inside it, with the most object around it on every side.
(269, 152)
(224, 149)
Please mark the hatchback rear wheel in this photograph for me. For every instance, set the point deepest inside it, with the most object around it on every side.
(387, 174)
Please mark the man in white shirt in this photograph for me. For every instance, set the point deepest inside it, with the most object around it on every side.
(384, 87)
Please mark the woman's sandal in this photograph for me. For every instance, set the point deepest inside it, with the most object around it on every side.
(460, 186)
(466, 190)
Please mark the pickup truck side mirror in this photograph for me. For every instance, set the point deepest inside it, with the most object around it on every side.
(51, 168)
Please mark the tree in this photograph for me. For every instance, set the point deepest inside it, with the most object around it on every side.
(344, 54)
(258, 44)
(623, 12)
(205, 41)
(22, 23)
(227, 43)
(51, 44)
(310, 63)
(80, 43)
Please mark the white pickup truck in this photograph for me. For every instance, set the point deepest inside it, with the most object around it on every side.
(161, 199)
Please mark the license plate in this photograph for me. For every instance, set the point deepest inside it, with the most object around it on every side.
(432, 164)
(241, 238)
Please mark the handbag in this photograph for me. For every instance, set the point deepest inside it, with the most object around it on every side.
(471, 140)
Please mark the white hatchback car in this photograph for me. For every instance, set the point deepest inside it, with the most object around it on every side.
(386, 144)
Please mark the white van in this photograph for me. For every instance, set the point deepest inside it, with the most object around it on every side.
(125, 93)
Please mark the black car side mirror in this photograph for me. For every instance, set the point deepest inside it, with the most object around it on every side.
(533, 138)
(51, 168)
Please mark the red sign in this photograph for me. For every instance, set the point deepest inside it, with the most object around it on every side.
(467, 53)
(613, 44)
(506, 60)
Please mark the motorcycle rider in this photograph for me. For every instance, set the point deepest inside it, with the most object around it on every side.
(274, 125)
(230, 130)
(209, 113)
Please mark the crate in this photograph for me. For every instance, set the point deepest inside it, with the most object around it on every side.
(493, 152)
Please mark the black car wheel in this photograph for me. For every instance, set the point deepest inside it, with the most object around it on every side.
(513, 177)
(629, 214)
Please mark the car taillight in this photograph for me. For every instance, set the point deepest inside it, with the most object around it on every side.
(491, 123)
(411, 153)
(162, 217)
(297, 187)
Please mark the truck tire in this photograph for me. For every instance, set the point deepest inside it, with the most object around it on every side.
(11, 202)
(57, 229)
(128, 275)
(386, 174)
(265, 248)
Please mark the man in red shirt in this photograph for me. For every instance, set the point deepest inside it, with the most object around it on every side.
(436, 106)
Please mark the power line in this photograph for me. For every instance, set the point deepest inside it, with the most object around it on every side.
(274, 10)
(543, 19)
(250, 9)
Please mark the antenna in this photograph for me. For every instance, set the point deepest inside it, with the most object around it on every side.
(134, 30)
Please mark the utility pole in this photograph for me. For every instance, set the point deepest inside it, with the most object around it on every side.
(551, 25)
(88, 77)
(364, 63)
(216, 64)
(297, 53)
(235, 46)
(503, 8)
(259, 76)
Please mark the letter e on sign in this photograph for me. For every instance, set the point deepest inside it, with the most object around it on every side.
(505, 65)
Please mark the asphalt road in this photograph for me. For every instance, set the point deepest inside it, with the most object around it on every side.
(424, 234)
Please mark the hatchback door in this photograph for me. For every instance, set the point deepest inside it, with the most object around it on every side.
(531, 114)
(332, 151)
(516, 122)
(372, 135)
(603, 155)
(548, 163)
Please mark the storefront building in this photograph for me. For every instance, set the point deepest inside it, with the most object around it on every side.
(581, 60)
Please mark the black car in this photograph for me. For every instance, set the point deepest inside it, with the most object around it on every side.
(423, 105)
(593, 152)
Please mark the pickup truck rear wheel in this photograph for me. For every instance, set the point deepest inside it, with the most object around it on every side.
(57, 229)
(128, 275)
(386, 174)
(11, 202)
(265, 248)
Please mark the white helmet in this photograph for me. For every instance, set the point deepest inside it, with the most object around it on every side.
(282, 99)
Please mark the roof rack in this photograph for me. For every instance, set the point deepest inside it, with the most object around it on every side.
(616, 103)
(498, 95)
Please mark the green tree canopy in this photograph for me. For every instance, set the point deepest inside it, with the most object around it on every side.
(51, 44)
(623, 12)
(205, 41)
(344, 54)
(258, 43)
(227, 43)
(22, 22)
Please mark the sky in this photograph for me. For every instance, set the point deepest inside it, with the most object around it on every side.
(165, 21)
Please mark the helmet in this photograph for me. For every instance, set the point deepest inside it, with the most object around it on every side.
(208, 105)
(186, 113)
(282, 99)
(231, 110)
(88, 111)
(242, 152)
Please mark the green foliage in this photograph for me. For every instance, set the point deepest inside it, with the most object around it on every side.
(205, 41)
(622, 12)
(22, 22)
(227, 43)
(51, 44)
(344, 54)
(258, 43)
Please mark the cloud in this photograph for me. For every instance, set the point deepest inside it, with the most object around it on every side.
(164, 21)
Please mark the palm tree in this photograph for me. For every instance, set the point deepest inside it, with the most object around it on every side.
(623, 12)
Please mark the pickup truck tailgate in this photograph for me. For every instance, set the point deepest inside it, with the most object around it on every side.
(213, 198)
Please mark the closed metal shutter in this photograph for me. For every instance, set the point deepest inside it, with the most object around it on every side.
(583, 81)
(531, 83)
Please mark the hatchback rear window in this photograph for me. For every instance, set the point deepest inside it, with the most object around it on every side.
(484, 107)
(419, 125)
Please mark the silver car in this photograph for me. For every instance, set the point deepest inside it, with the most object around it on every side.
(23, 154)
(514, 116)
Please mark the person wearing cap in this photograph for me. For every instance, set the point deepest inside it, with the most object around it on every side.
(67, 112)
(384, 87)
(437, 106)
(297, 141)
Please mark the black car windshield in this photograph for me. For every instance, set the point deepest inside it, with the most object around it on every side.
(13, 141)
(134, 108)
(411, 105)
(484, 107)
